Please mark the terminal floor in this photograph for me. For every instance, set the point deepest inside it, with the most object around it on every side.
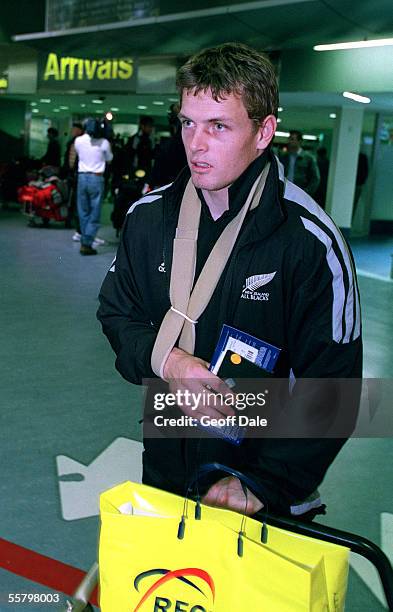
(62, 396)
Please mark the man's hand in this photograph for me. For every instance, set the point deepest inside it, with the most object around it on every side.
(188, 373)
(228, 493)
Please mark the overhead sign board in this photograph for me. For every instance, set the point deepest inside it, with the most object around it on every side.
(69, 14)
(56, 72)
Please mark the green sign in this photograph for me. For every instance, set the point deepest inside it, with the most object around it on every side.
(57, 72)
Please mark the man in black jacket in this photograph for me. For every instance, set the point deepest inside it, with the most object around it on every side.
(308, 305)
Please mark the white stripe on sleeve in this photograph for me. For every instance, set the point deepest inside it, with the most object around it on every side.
(338, 278)
(298, 196)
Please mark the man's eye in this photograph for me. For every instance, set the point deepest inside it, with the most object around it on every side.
(220, 127)
(186, 123)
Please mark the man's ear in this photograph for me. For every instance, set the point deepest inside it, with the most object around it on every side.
(266, 132)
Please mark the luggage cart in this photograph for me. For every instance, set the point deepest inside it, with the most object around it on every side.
(357, 544)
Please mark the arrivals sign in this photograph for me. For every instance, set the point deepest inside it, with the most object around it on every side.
(57, 72)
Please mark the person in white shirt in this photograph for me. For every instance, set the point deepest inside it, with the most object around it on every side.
(93, 153)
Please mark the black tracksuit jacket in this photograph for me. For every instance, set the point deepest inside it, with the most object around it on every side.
(310, 309)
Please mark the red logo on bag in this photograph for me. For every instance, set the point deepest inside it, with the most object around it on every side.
(170, 575)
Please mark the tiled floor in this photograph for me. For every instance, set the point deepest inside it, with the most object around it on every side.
(374, 255)
(62, 396)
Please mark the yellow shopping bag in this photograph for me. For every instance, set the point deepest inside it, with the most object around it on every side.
(145, 566)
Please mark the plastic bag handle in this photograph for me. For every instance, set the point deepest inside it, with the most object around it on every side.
(207, 468)
(245, 481)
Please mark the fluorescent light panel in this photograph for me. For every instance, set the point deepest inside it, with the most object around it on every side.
(356, 97)
(357, 44)
(305, 136)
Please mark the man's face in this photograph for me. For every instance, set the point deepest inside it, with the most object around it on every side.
(76, 131)
(294, 143)
(147, 128)
(219, 138)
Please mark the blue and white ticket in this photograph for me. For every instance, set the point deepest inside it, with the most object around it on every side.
(259, 352)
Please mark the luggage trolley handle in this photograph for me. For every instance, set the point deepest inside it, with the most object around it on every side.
(355, 543)
(245, 481)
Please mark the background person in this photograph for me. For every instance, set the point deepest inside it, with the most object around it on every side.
(299, 166)
(171, 156)
(361, 178)
(93, 154)
(70, 174)
(140, 147)
(229, 102)
(52, 155)
(323, 167)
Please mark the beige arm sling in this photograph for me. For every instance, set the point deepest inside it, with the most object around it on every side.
(187, 305)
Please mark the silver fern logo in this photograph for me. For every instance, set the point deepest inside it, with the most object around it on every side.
(255, 282)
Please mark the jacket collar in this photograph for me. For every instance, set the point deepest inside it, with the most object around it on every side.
(270, 213)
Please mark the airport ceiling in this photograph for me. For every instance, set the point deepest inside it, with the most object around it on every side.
(187, 27)
(270, 25)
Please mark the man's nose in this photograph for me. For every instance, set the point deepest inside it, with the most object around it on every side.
(198, 141)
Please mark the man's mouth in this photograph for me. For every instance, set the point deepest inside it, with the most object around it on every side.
(200, 165)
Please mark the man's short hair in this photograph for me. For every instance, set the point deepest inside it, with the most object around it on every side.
(146, 120)
(53, 132)
(233, 68)
(296, 133)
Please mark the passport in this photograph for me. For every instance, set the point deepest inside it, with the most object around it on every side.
(263, 355)
(239, 356)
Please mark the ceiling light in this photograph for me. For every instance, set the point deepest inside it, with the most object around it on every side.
(33, 103)
(97, 101)
(332, 115)
(309, 137)
(35, 110)
(356, 97)
(280, 109)
(46, 100)
(282, 134)
(173, 99)
(114, 108)
(279, 120)
(63, 107)
(142, 107)
(56, 110)
(83, 105)
(158, 103)
(357, 44)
